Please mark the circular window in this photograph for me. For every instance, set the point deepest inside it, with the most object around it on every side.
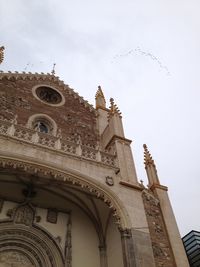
(42, 123)
(48, 95)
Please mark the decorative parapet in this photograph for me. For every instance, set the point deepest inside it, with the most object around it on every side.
(14, 76)
(27, 135)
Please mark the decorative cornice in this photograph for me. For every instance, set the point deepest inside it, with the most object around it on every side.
(120, 139)
(158, 186)
(134, 186)
(99, 107)
(14, 76)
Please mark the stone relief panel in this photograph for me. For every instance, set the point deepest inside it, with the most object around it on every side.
(160, 243)
(24, 215)
(14, 259)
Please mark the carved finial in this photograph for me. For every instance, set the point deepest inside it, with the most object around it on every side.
(14, 120)
(99, 93)
(59, 133)
(100, 99)
(53, 72)
(2, 48)
(113, 108)
(150, 167)
(147, 157)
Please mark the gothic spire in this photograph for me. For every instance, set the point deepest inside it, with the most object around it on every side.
(100, 99)
(148, 160)
(150, 167)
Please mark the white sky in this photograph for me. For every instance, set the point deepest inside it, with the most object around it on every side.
(156, 85)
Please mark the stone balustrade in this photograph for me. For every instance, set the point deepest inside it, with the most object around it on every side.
(67, 146)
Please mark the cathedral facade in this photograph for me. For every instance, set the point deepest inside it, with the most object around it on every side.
(69, 193)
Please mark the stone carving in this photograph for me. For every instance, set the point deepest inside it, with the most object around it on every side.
(161, 246)
(157, 250)
(1, 54)
(109, 181)
(32, 248)
(52, 215)
(24, 215)
(14, 120)
(157, 227)
(149, 197)
(59, 133)
(14, 259)
(68, 245)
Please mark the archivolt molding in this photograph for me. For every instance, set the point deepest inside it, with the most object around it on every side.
(30, 242)
(99, 190)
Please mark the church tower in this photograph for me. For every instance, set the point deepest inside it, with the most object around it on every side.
(69, 193)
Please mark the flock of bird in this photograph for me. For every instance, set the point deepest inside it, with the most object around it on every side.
(138, 50)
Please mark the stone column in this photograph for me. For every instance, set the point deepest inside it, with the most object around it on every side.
(103, 256)
(127, 248)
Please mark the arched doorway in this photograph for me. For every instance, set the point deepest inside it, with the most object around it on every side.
(82, 219)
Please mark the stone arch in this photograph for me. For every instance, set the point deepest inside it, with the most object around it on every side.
(44, 118)
(31, 246)
(99, 190)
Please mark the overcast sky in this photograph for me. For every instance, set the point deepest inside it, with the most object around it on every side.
(145, 54)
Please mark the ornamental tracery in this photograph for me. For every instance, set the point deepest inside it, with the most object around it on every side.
(48, 95)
